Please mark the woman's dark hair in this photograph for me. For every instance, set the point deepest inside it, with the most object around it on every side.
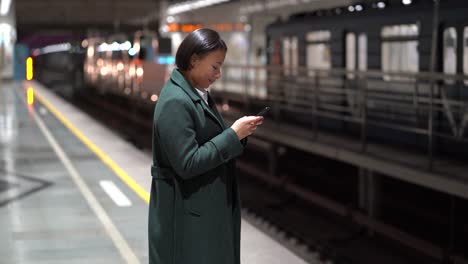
(200, 42)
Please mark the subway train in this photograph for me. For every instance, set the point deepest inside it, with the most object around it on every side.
(131, 66)
(60, 67)
(365, 69)
(136, 69)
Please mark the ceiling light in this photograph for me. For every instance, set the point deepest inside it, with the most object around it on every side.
(407, 2)
(192, 5)
(5, 7)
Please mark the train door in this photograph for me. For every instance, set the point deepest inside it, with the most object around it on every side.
(356, 53)
(273, 72)
(451, 90)
(355, 59)
(290, 56)
(318, 51)
(289, 82)
(450, 53)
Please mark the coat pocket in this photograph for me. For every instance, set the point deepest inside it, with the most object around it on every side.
(197, 194)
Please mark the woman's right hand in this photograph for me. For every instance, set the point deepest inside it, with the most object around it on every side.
(246, 125)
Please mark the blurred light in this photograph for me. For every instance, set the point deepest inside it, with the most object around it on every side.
(29, 68)
(30, 95)
(170, 19)
(154, 98)
(104, 71)
(5, 7)
(351, 8)
(166, 60)
(54, 48)
(84, 43)
(407, 2)
(165, 29)
(100, 62)
(247, 28)
(126, 45)
(127, 91)
(136, 47)
(190, 27)
(115, 46)
(381, 5)
(131, 52)
(359, 8)
(7, 32)
(120, 66)
(139, 71)
(90, 51)
(192, 5)
(225, 107)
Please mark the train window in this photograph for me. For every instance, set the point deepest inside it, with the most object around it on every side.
(319, 36)
(465, 53)
(318, 50)
(400, 49)
(350, 54)
(450, 52)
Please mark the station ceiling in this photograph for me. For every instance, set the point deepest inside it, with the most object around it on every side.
(34, 15)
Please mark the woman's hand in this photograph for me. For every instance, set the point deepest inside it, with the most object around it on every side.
(246, 125)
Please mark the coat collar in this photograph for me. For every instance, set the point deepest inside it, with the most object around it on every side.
(179, 80)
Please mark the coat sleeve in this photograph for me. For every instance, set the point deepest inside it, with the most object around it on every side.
(176, 131)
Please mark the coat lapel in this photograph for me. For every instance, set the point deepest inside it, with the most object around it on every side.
(180, 80)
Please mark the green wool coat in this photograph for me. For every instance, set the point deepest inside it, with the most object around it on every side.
(194, 212)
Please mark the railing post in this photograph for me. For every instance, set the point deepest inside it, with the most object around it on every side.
(245, 75)
(315, 104)
(273, 87)
(430, 123)
(363, 102)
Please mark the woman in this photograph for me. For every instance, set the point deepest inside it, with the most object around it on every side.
(194, 215)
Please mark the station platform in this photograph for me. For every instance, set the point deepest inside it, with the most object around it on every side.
(73, 191)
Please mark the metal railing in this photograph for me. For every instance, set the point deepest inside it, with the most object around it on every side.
(429, 105)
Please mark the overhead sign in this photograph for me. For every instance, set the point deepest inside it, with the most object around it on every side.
(222, 27)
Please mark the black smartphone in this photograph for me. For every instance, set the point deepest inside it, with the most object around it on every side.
(264, 111)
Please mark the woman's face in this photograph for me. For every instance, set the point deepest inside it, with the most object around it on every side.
(207, 69)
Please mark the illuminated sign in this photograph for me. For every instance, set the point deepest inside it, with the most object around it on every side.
(29, 68)
(223, 27)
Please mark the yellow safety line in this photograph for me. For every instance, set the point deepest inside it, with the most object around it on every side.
(108, 161)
